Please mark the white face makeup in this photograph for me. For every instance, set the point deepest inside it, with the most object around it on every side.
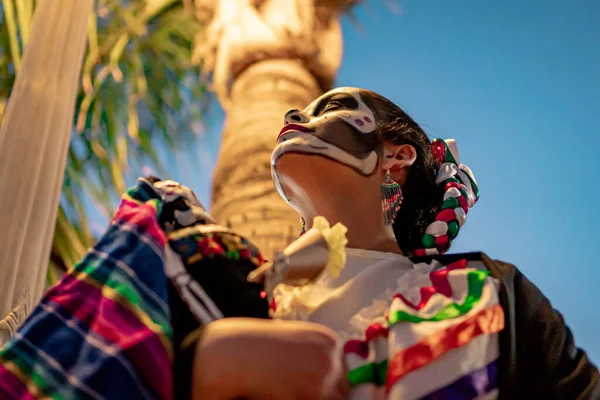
(361, 118)
(338, 126)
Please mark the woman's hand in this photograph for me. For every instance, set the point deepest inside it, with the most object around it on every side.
(268, 360)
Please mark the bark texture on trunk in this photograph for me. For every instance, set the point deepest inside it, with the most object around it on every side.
(244, 197)
(34, 140)
(265, 57)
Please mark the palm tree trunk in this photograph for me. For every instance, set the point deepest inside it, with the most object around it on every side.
(264, 57)
(34, 140)
(244, 197)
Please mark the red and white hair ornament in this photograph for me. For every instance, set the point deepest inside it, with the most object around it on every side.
(460, 193)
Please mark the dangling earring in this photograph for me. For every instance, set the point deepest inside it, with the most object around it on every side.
(303, 231)
(391, 199)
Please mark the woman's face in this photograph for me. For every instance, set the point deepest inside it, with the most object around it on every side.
(334, 138)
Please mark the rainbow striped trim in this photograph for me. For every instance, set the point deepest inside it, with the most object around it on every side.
(450, 332)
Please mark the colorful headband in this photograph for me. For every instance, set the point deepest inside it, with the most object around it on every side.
(460, 194)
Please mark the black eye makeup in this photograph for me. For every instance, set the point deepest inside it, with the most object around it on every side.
(336, 101)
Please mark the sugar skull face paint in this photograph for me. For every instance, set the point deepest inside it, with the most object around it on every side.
(338, 126)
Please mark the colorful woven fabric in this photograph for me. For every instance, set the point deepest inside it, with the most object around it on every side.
(196, 243)
(445, 325)
(105, 331)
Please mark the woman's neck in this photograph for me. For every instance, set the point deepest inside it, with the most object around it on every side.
(366, 230)
(356, 205)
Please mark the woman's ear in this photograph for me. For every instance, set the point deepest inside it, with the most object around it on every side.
(396, 157)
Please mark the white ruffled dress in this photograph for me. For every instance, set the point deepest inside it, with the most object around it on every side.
(410, 331)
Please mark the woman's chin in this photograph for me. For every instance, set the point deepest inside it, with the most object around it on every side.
(306, 174)
(314, 166)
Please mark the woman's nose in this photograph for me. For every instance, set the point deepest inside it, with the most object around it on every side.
(294, 116)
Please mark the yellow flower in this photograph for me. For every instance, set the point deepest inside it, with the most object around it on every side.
(336, 241)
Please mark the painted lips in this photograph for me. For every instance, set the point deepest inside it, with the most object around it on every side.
(293, 127)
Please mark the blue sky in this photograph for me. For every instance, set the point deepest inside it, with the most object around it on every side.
(517, 84)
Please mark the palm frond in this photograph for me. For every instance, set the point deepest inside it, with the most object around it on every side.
(134, 81)
(139, 91)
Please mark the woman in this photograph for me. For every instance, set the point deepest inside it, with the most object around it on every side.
(426, 327)
(459, 327)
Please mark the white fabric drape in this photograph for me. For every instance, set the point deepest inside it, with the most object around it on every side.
(34, 140)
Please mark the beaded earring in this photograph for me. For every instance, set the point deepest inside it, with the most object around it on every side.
(391, 199)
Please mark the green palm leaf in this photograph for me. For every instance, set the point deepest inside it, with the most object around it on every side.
(137, 79)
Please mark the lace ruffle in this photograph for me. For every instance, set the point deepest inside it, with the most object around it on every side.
(408, 284)
(297, 303)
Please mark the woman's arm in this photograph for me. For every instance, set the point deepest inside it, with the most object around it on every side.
(270, 360)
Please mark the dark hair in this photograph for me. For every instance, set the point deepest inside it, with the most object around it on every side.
(422, 196)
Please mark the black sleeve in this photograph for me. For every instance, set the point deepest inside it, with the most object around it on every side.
(216, 262)
(224, 281)
(550, 365)
(183, 363)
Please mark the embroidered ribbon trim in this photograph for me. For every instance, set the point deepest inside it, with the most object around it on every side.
(487, 321)
(469, 386)
(476, 282)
